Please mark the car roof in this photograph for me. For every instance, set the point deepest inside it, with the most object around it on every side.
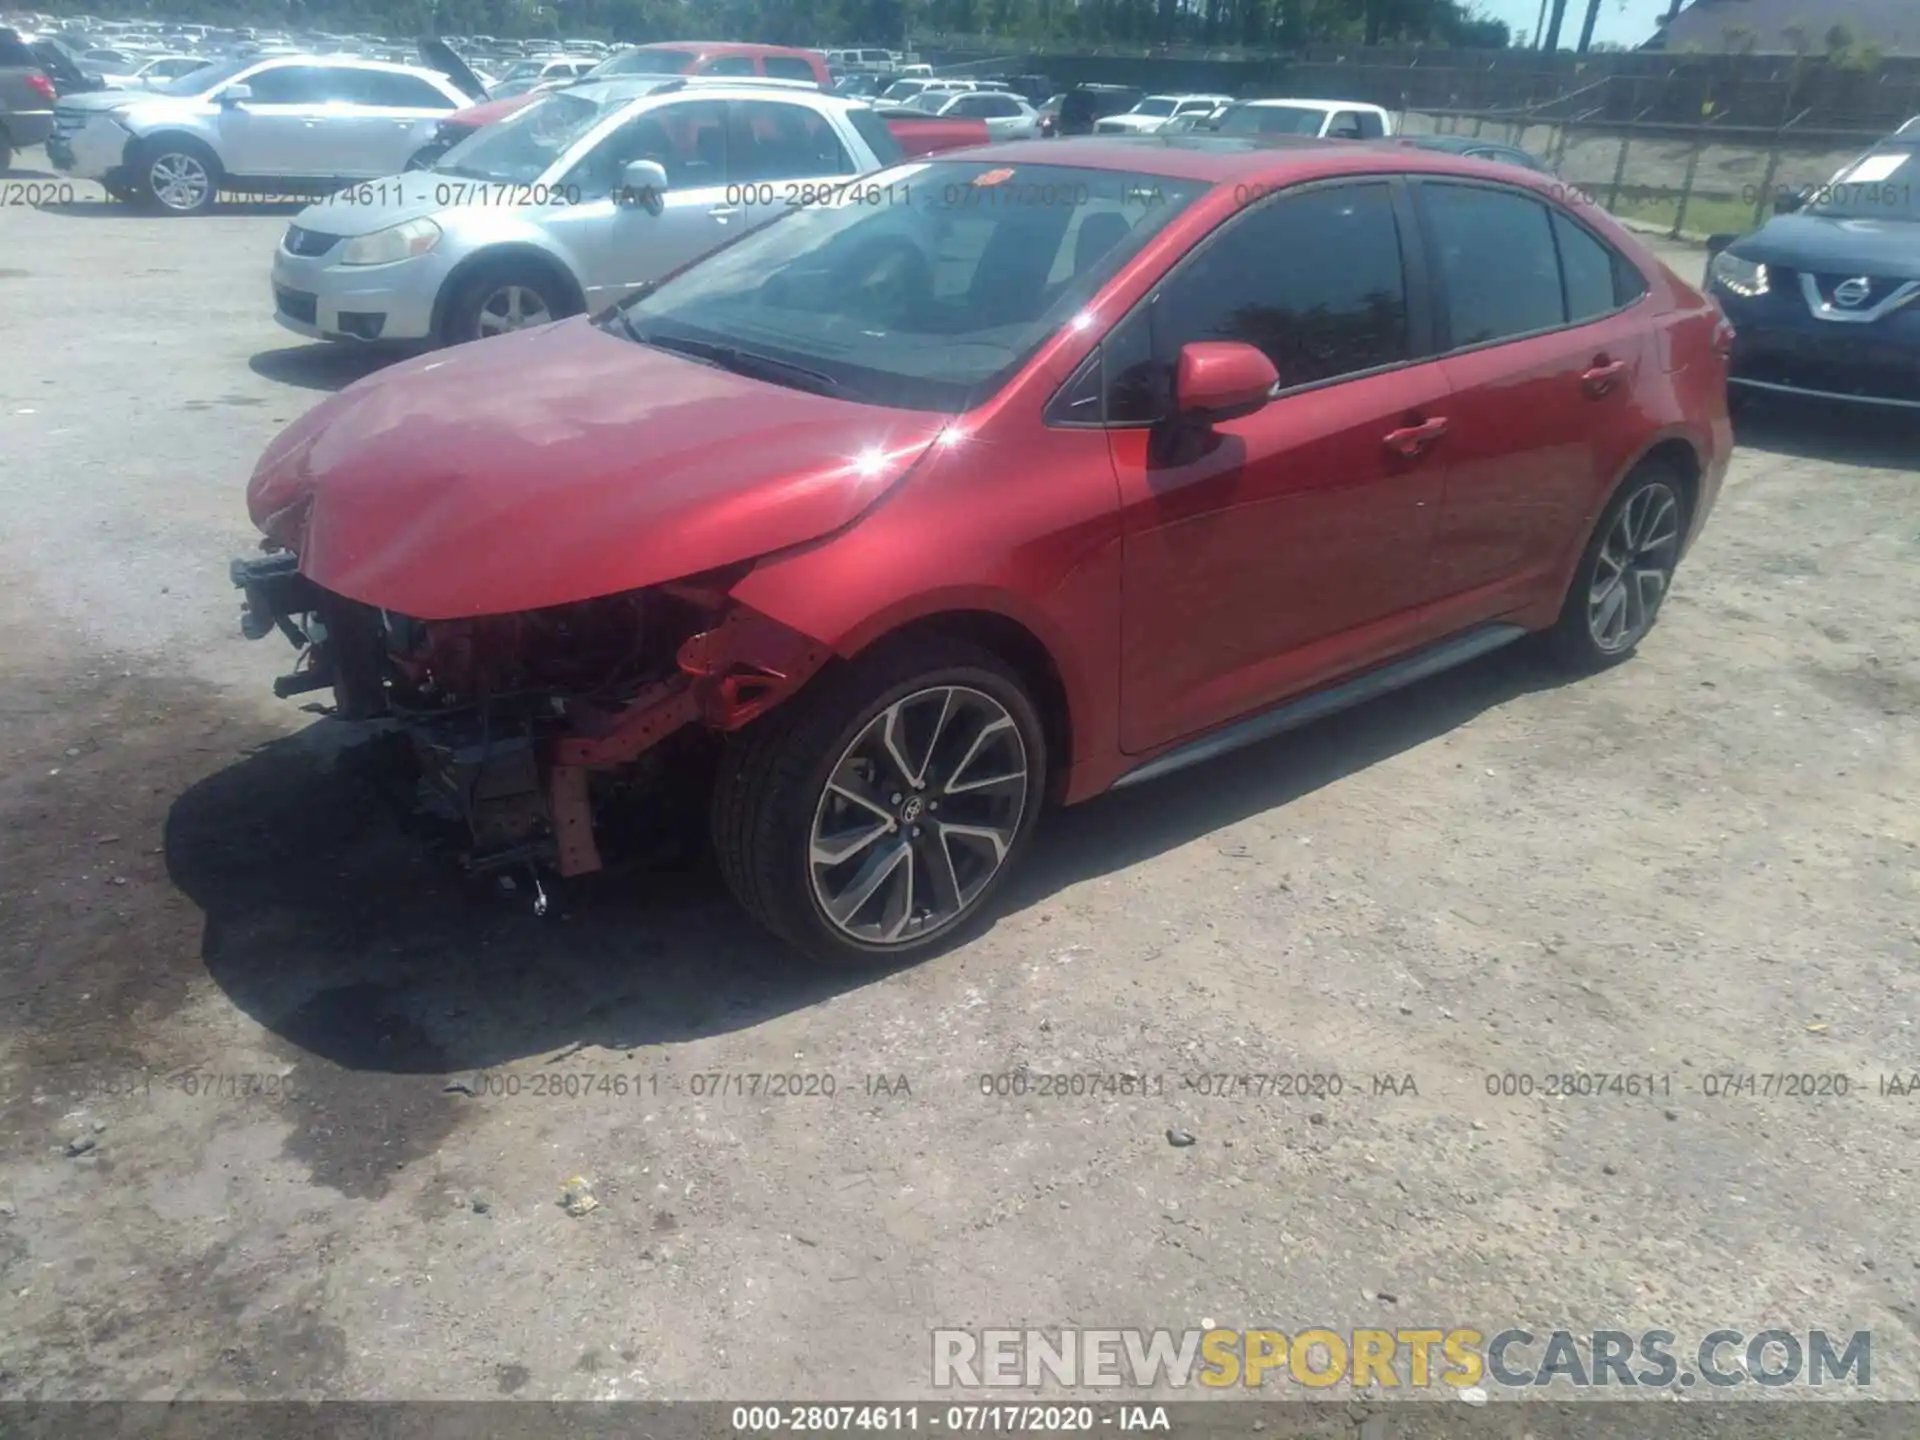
(723, 47)
(1315, 104)
(1267, 159)
(355, 62)
(664, 88)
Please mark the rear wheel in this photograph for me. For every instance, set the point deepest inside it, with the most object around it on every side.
(870, 820)
(1625, 572)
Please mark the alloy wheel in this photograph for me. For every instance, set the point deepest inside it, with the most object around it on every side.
(1633, 569)
(512, 307)
(918, 815)
(179, 181)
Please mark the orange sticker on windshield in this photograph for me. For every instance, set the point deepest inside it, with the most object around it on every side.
(993, 177)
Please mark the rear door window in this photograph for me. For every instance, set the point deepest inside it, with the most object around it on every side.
(297, 85)
(769, 140)
(788, 67)
(1589, 269)
(392, 91)
(878, 135)
(1493, 253)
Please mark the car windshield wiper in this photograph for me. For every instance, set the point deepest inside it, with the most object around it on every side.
(463, 173)
(743, 362)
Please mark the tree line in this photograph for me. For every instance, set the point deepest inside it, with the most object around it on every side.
(1259, 23)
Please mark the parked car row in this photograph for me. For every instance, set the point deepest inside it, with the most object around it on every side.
(569, 205)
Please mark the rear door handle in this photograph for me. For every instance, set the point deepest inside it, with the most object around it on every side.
(1411, 440)
(1599, 379)
(724, 213)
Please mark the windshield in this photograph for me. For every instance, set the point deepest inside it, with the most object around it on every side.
(203, 79)
(645, 62)
(521, 148)
(924, 287)
(1272, 120)
(1881, 185)
(524, 69)
(1154, 107)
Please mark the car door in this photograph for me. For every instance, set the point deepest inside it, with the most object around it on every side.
(1277, 551)
(1002, 114)
(779, 151)
(1543, 358)
(379, 119)
(275, 131)
(621, 244)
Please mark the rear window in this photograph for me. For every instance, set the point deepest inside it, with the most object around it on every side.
(788, 67)
(646, 62)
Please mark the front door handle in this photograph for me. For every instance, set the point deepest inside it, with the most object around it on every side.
(1599, 379)
(724, 213)
(1410, 441)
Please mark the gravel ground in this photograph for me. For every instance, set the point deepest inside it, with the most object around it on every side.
(235, 998)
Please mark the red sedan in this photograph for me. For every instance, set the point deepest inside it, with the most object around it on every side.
(991, 483)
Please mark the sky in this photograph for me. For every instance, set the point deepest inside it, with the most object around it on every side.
(1622, 22)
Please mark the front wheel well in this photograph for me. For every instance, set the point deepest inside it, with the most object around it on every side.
(148, 146)
(502, 257)
(1025, 652)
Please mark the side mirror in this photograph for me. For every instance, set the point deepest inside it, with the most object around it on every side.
(1788, 201)
(1222, 380)
(235, 95)
(644, 183)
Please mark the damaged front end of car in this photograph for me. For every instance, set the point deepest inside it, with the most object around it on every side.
(525, 728)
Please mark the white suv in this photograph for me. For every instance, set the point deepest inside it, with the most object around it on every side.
(1152, 113)
(296, 124)
(1328, 119)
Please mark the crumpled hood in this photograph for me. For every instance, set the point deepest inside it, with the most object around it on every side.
(561, 464)
(1827, 244)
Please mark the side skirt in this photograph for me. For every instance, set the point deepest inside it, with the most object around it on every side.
(1292, 714)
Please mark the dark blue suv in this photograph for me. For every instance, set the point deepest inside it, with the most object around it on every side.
(1822, 296)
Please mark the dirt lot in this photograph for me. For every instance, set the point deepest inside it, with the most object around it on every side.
(235, 998)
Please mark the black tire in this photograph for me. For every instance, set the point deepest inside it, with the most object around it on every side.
(163, 176)
(6, 152)
(773, 779)
(476, 297)
(1658, 502)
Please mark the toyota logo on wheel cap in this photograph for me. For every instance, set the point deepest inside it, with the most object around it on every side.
(1852, 293)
